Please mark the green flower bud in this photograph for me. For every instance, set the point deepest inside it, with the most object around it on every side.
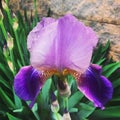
(6, 51)
(55, 106)
(15, 25)
(9, 41)
(15, 22)
(66, 116)
(10, 64)
(64, 89)
(4, 5)
(1, 16)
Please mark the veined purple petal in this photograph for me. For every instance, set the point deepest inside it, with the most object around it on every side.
(27, 83)
(41, 44)
(95, 87)
(64, 43)
(75, 43)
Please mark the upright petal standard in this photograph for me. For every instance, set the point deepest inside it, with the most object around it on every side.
(62, 47)
(63, 43)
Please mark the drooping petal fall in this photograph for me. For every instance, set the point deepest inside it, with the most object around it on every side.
(27, 84)
(62, 43)
(95, 87)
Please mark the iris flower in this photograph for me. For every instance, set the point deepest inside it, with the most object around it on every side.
(62, 47)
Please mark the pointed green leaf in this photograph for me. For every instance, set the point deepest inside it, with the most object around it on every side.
(74, 99)
(46, 90)
(109, 69)
(85, 110)
(6, 99)
(18, 102)
(72, 110)
(116, 83)
(109, 112)
(116, 99)
(11, 117)
(5, 83)
(34, 110)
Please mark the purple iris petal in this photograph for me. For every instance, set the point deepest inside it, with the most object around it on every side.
(95, 87)
(33, 37)
(63, 43)
(27, 83)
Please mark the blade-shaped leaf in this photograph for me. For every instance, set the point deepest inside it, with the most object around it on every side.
(6, 99)
(11, 117)
(46, 89)
(109, 69)
(85, 110)
(116, 83)
(74, 99)
(109, 112)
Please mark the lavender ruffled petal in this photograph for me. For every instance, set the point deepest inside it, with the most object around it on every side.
(33, 36)
(27, 83)
(63, 43)
(95, 87)
(76, 42)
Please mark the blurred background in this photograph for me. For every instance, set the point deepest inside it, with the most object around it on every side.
(102, 15)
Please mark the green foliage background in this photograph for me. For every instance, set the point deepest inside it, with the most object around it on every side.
(12, 108)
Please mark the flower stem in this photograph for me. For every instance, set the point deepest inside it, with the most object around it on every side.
(57, 116)
(8, 13)
(66, 103)
(3, 29)
(12, 59)
(19, 48)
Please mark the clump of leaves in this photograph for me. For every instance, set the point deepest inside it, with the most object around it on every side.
(13, 54)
